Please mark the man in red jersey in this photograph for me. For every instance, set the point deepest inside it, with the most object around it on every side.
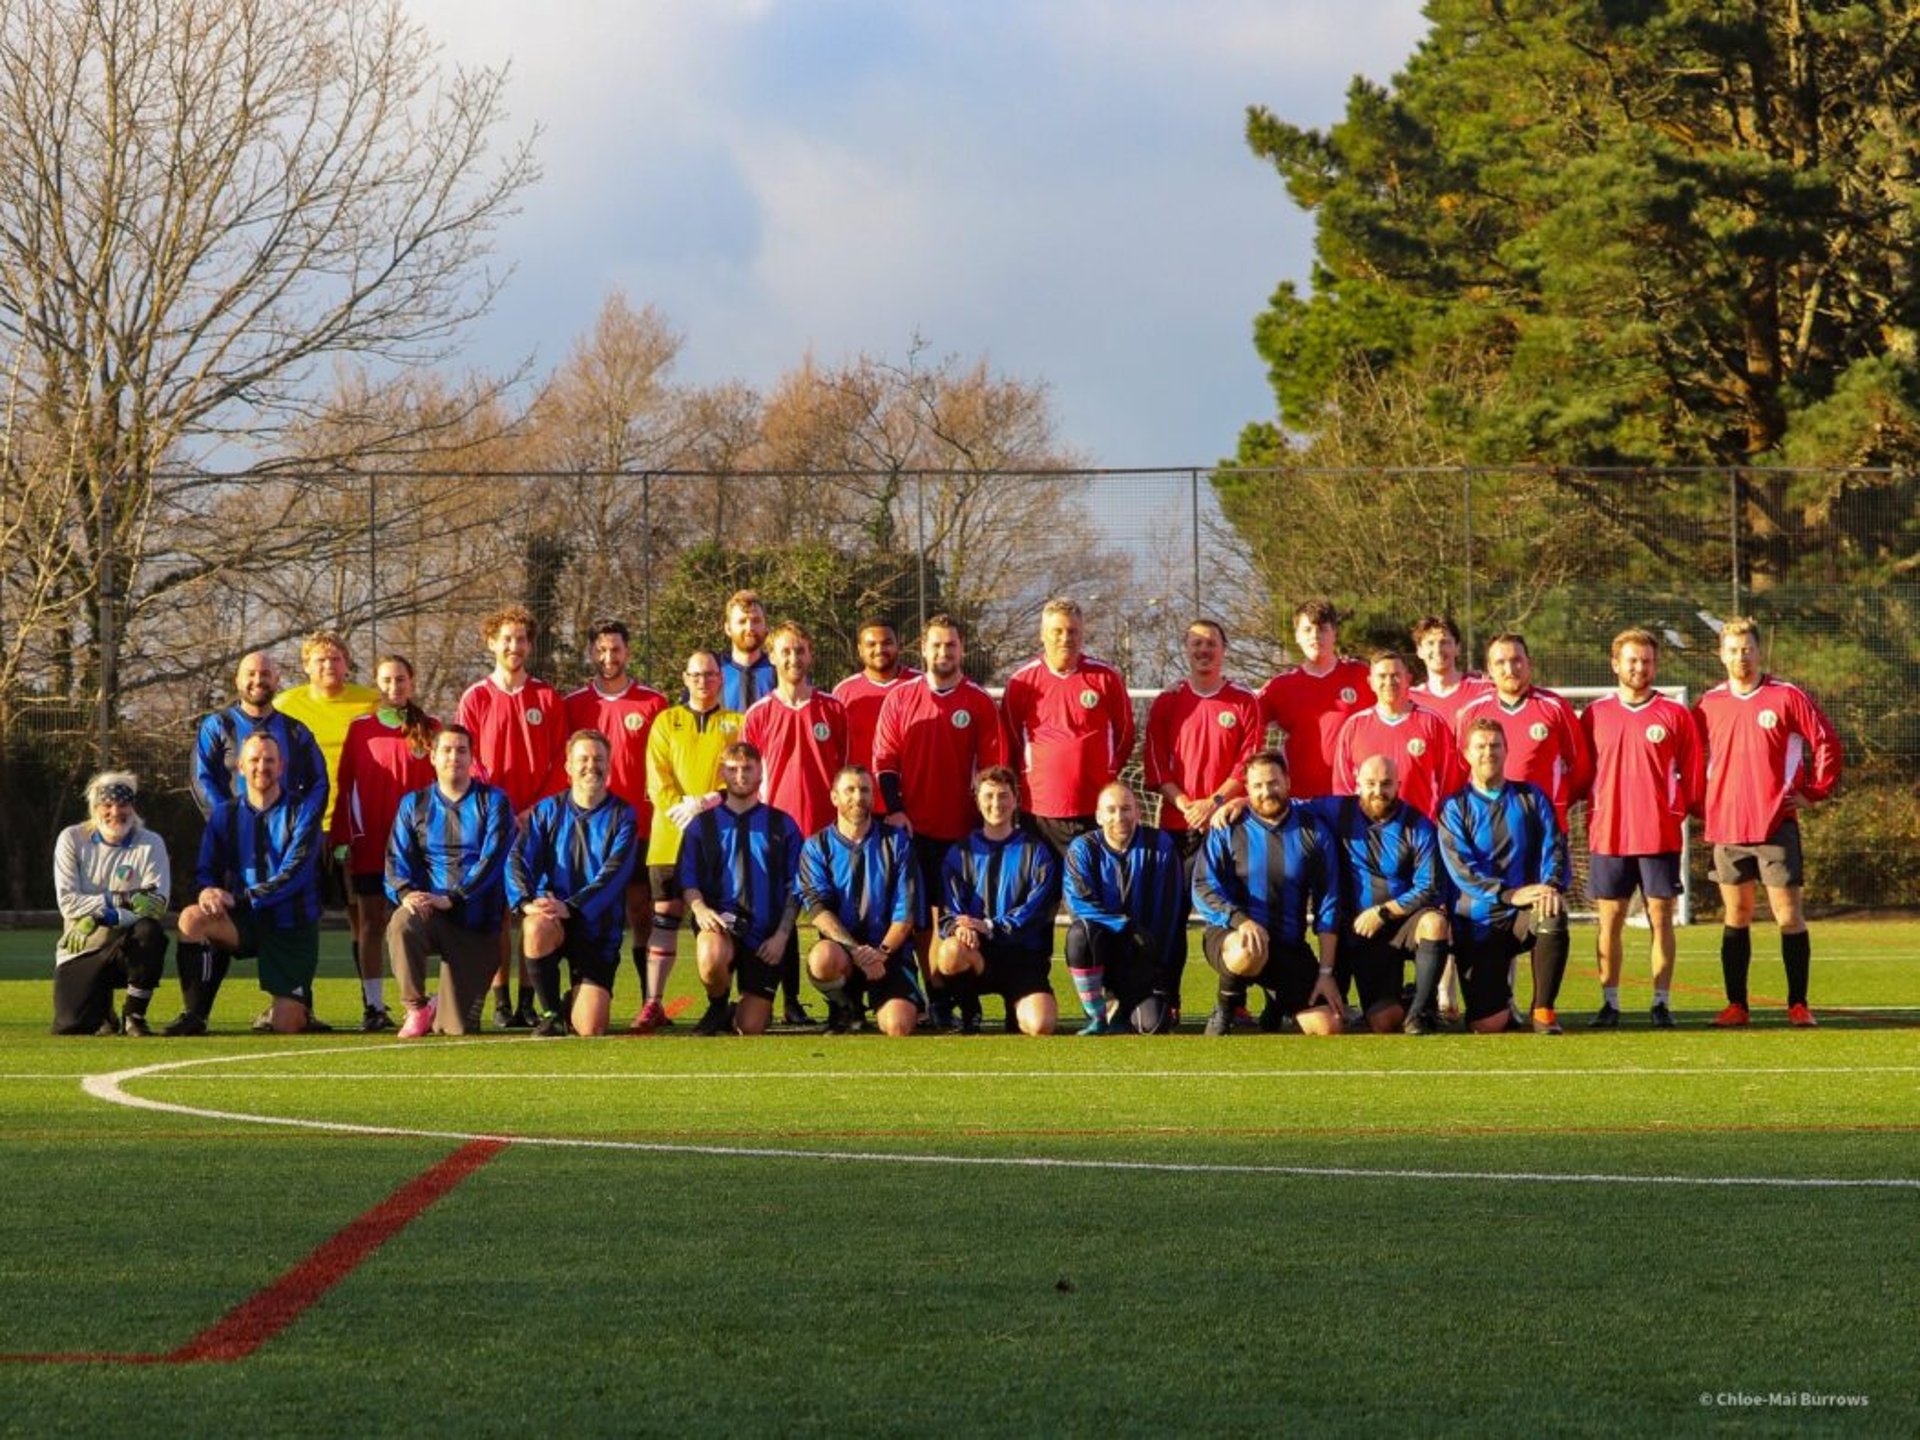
(1418, 742)
(801, 734)
(936, 732)
(1545, 744)
(1436, 640)
(1069, 726)
(1311, 701)
(623, 710)
(1200, 734)
(519, 729)
(863, 693)
(1769, 749)
(1646, 778)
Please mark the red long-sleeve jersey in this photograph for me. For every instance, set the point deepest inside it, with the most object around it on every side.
(1765, 751)
(1310, 709)
(377, 767)
(1068, 735)
(1199, 742)
(1448, 706)
(936, 742)
(626, 720)
(1419, 744)
(1646, 775)
(802, 748)
(519, 738)
(863, 698)
(1545, 744)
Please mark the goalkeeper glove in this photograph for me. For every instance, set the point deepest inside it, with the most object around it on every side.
(75, 940)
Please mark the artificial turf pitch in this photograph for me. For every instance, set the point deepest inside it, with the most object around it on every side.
(1365, 1235)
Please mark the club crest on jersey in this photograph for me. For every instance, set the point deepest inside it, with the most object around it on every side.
(822, 730)
(1089, 699)
(1416, 748)
(123, 872)
(1656, 734)
(1538, 730)
(1768, 720)
(727, 727)
(1229, 719)
(1348, 695)
(534, 717)
(962, 719)
(634, 722)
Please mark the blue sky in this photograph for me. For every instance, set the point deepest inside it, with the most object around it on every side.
(1062, 187)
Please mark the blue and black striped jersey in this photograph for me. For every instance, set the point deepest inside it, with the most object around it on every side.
(743, 863)
(456, 848)
(741, 685)
(1144, 885)
(1014, 883)
(1278, 875)
(583, 859)
(872, 883)
(1498, 842)
(269, 860)
(216, 757)
(1375, 861)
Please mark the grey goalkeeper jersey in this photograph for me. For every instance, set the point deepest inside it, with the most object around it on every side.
(93, 878)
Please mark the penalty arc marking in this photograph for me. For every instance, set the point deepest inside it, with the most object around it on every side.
(111, 1088)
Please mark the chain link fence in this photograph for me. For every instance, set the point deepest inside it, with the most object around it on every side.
(1828, 561)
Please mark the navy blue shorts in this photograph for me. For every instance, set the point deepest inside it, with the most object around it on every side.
(1616, 877)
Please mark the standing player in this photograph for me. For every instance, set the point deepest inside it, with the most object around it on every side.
(567, 881)
(1265, 881)
(801, 733)
(446, 881)
(1069, 727)
(864, 693)
(385, 756)
(936, 734)
(738, 864)
(859, 887)
(1769, 749)
(1311, 701)
(1002, 885)
(623, 710)
(259, 877)
(1436, 640)
(683, 780)
(519, 731)
(746, 670)
(111, 880)
(1646, 778)
(1545, 744)
(1125, 886)
(1392, 898)
(1507, 857)
(1425, 758)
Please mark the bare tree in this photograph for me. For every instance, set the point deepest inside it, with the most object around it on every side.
(200, 200)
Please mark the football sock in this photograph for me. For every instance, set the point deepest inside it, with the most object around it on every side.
(545, 971)
(202, 968)
(502, 998)
(1736, 957)
(1549, 966)
(835, 991)
(790, 970)
(1796, 953)
(662, 948)
(1611, 994)
(374, 992)
(1090, 986)
(137, 1000)
(1429, 959)
(1663, 997)
(1233, 993)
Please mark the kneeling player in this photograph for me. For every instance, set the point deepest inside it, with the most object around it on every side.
(1507, 858)
(1391, 900)
(859, 884)
(111, 879)
(738, 863)
(567, 880)
(1263, 881)
(1002, 885)
(1126, 887)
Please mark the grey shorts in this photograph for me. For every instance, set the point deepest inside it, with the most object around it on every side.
(1774, 862)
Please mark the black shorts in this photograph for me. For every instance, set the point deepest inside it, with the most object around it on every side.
(753, 975)
(1059, 831)
(1483, 961)
(1014, 973)
(1775, 862)
(1290, 974)
(1378, 965)
(930, 860)
(370, 885)
(336, 884)
(1616, 877)
(587, 963)
(899, 981)
(1129, 960)
(665, 880)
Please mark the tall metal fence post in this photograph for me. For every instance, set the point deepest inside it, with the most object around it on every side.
(109, 637)
(1466, 512)
(920, 541)
(1193, 515)
(373, 562)
(1733, 536)
(646, 572)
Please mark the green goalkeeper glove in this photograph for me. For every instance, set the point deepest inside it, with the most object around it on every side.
(147, 905)
(75, 940)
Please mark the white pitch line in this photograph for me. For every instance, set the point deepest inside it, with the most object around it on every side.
(709, 1076)
(110, 1088)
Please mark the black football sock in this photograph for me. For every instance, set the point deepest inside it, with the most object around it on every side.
(790, 971)
(1429, 960)
(544, 971)
(1796, 953)
(1549, 966)
(202, 968)
(1736, 958)
(1233, 993)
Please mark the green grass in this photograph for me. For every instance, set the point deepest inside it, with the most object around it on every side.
(660, 1290)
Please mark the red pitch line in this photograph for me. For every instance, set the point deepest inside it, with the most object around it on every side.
(262, 1316)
